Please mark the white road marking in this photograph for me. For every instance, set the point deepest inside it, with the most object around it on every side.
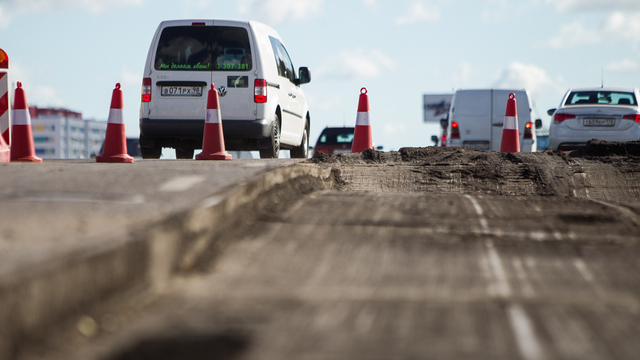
(181, 183)
(584, 271)
(521, 274)
(480, 212)
(85, 198)
(502, 286)
(528, 344)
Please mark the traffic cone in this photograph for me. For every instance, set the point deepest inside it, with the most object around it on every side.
(213, 138)
(362, 134)
(115, 140)
(510, 137)
(21, 134)
(5, 152)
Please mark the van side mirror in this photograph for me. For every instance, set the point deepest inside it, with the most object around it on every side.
(304, 76)
(444, 123)
(551, 111)
(538, 123)
(434, 138)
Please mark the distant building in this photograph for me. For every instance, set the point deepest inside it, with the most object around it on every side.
(63, 134)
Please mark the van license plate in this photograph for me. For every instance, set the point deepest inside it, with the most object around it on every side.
(181, 91)
(599, 122)
(485, 146)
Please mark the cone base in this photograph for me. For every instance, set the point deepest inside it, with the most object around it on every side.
(33, 159)
(510, 141)
(5, 152)
(5, 155)
(221, 155)
(362, 139)
(118, 158)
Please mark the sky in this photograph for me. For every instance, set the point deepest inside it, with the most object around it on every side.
(71, 53)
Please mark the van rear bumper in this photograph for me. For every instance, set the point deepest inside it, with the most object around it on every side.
(194, 129)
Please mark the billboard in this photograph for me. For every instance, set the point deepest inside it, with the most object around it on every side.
(436, 107)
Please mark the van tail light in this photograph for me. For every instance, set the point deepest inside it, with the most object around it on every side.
(260, 91)
(528, 134)
(455, 131)
(634, 117)
(444, 140)
(146, 89)
(560, 117)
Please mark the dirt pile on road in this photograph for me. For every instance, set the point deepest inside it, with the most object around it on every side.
(604, 170)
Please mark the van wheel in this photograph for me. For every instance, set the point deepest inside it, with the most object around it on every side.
(302, 151)
(153, 152)
(273, 151)
(184, 153)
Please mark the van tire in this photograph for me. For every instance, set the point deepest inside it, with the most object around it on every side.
(182, 153)
(153, 152)
(273, 151)
(302, 151)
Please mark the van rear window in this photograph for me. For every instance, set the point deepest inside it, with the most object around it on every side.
(203, 48)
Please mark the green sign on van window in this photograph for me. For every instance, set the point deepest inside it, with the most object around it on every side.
(231, 66)
(175, 66)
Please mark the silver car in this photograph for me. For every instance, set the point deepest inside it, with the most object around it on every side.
(604, 113)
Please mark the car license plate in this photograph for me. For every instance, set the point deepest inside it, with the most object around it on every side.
(598, 122)
(181, 91)
(341, 151)
(477, 146)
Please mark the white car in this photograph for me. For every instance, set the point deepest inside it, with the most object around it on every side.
(262, 105)
(604, 113)
(476, 119)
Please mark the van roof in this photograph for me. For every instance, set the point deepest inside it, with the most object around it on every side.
(251, 23)
(228, 21)
(492, 89)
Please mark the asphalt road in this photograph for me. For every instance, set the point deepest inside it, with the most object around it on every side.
(439, 255)
(61, 205)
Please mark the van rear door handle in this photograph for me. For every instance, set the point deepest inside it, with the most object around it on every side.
(293, 96)
(498, 124)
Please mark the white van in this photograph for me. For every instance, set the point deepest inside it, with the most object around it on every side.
(262, 105)
(477, 116)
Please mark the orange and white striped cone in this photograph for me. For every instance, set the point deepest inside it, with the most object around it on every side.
(115, 140)
(510, 137)
(21, 134)
(362, 135)
(213, 137)
(5, 152)
(5, 112)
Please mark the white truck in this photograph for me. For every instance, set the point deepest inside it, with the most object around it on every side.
(476, 119)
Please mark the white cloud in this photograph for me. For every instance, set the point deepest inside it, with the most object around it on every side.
(357, 64)
(595, 5)
(463, 73)
(11, 8)
(274, 12)
(419, 12)
(623, 66)
(617, 27)
(130, 78)
(622, 26)
(574, 34)
(524, 76)
(37, 95)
